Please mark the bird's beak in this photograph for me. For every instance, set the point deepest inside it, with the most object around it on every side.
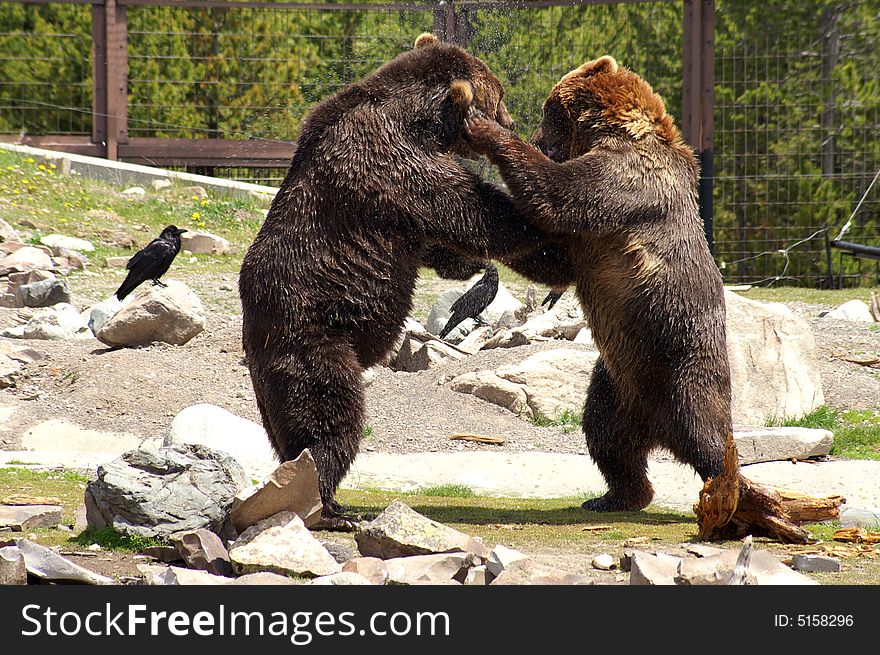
(181, 231)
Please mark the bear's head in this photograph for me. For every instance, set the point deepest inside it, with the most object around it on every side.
(598, 100)
(460, 83)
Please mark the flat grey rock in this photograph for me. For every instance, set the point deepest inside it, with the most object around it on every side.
(768, 444)
(22, 518)
(46, 564)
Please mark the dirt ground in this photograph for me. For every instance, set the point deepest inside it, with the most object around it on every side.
(140, 390)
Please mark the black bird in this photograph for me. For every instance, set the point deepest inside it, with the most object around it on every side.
(553, 296)
(472, 303)
(151, 262)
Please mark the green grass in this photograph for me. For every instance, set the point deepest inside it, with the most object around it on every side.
(832, 297)
(110, 539)
(446, 491)
(856, 432)
(368, 431)
(38, 200)
(568, 420)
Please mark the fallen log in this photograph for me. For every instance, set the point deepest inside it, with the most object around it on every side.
(477, 438)
(732, 506)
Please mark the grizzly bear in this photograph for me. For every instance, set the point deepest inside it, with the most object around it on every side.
(374, 190)
(612, 174)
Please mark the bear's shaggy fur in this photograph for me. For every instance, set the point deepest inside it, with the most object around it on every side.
(614, 176)
(373, 192)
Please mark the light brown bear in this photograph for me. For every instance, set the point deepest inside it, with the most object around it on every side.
(615, 180)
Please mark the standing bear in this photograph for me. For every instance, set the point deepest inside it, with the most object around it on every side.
(373, 192)
(614, 178)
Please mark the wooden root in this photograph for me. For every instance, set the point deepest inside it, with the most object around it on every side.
(732, 506)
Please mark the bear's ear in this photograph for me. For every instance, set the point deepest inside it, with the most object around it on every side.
(424, 40)
(461, 92)
(605, 64)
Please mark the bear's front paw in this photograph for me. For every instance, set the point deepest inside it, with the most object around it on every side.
(482, 133)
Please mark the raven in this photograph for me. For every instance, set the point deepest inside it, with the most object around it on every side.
(472, 303)
(553, 296)
(152, 261)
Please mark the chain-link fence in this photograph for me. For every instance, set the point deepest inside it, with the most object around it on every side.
(781, 99)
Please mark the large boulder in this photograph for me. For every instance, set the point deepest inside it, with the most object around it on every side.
(164, 492)
(219, 429)
(26, 258)
(58, 322)
(774, 364)
(67, 243)
(203, 243)
(171, 314)
(547, 384)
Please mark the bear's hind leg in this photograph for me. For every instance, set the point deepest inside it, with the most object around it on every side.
(311, 396)
(618, 445)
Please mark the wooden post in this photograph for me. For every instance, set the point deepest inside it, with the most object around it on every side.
(99, 77)
(698, 101)
(116, 77)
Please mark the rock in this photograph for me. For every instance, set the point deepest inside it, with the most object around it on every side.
(292, 487)
(507, 339)
(12, 567)
(12, 359)
(371, 568)
(343, 578)
(99, 313)
(216, 428)
(551, 381)
(15, 280)
(163, 576)
(477, 576)
(134, 191)
(754, 444)
(856, 517)
(26, 258)
(432, 569)
(167, 554)
(162, 492)
(603, 562)
(281, 519)
(340, 551)
(263, 578)
(529, 572)
(287, 549)
(774, 362)
(158, 185)
(662, 569)
(815, 564)
(584, 336)
(204, 243)
(202, 549)
(368, 376)
(501, 557)
(173, 314)
(46, 564)
(487, 386)
(195, 191)
(59, 322)
(68, 243)
(416, 356)
(854, 310)
(116, 262)
(8, 233)
(401, 532)
(649, 569)
(21, 518)
(475, 341)
(43, 294)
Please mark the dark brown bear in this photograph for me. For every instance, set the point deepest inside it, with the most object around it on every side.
(373, 192)
(615, 178)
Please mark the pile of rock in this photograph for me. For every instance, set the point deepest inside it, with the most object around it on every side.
(221, 531)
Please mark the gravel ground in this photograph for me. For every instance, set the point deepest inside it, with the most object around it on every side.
(140, 390)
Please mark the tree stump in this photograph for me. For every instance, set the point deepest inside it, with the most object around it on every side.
(732, 506)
